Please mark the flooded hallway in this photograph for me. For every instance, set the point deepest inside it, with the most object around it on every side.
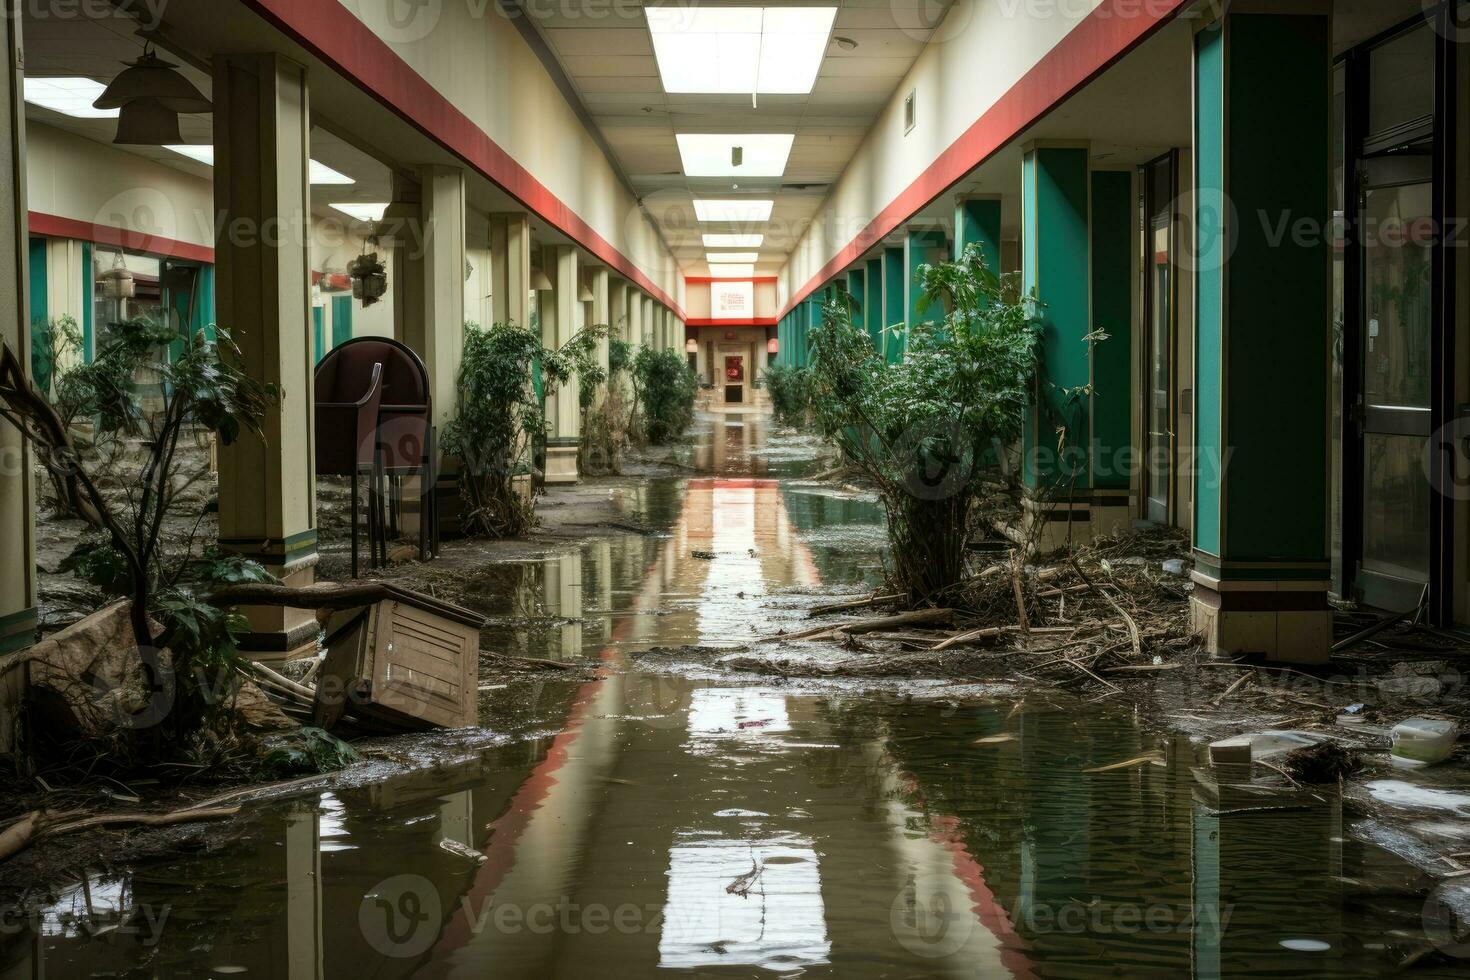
(649, 812)
(735, 488)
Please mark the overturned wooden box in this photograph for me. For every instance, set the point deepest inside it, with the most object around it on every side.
(408, 661)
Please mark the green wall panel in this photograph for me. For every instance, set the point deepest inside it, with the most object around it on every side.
(1209, 139)
(1113, 219)
(1055, 193)
(341, 320)
(893, 310)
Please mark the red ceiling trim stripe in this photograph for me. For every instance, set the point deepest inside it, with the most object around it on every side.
(1110, 31)
(750, 321)
(333, 33)
(55, 226)
(698, 280)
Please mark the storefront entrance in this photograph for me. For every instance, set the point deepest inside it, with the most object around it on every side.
(1393, 329)
(734, 379)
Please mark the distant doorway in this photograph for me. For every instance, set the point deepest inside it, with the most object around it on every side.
(734, 379)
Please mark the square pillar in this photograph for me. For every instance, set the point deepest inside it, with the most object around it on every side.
(920, 245)
(1055, 206)
(857, 290)
(633, 334)
(1262, 320)
(648, 337)
(559, 321)
(873, 300)
(894, 310)
(977, 222)
(267, 511)
(1114, 219)
(438, 333)
(510, 268)
(17, 488)
(602, 310)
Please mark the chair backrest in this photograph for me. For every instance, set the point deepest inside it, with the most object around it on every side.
(344, 374)
(405, 379)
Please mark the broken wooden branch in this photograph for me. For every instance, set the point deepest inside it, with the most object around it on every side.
(833, 607)
(867, 625)
(39, 824)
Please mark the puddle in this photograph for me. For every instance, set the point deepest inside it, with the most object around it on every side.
(691, 822)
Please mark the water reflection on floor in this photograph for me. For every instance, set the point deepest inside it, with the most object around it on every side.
(690, 821)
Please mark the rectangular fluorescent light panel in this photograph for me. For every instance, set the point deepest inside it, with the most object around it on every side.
(732, 270)
(734, 210)
(197, 153)
(745, 50)
(708, 154)
(68, 96)
(361, 211)
(318, 173)
(714, 258)
(733, 241)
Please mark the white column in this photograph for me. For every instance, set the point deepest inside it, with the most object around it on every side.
(510, 258)
(443, 190)
(262, 125)
(17, 500)
(559, 323)
(602, 315)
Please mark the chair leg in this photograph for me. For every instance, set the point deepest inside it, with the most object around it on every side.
(378, 484)
(355, 516)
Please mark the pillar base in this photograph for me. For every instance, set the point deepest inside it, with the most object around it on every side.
(1284, 621)
(561, 462)
(277, 633)
(1047, 522)
(1111, 513)
(17, 630)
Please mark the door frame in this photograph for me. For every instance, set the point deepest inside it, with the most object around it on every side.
(1145, 334)
(1355, 64)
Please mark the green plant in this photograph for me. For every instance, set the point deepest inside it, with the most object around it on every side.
(53, 342)
(606, 421)
(202, 386)
(926, 429)
(499, 418)
(790, 390)
(663, 392)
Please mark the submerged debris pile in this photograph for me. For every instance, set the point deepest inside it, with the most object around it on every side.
(1116, 607)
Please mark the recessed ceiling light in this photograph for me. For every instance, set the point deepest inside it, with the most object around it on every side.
(362, 211)
(197, 153)
(733, 241)
(319, 173)
(769, 50)
(736, 210)
(709, 154)
(68, 96)
(718, 257)
(733, 270)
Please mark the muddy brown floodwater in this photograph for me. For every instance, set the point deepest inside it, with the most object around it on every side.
(658, 815)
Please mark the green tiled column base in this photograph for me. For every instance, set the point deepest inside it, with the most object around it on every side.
(17, 630)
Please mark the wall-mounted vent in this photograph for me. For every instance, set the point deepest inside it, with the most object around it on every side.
(909, 111)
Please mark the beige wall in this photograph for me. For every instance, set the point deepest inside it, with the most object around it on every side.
(979, 51)
(697, 303)
(468, 56)
(84, 180)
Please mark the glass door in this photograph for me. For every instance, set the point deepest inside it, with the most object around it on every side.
(1396, 238)
(1395, 419)
(1158, 290)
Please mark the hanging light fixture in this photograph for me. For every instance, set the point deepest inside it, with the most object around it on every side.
(584, 295)
(150, 93)
(118, 282)
(691, 346)
(773, 346)
(540, 282)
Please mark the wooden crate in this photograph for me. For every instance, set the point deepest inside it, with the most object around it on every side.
(408, 662)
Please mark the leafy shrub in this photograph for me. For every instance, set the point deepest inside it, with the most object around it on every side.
(129, 552)
(606, 421)
(790, 390)
(499, 418)
(924, 429)
(664, 390)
